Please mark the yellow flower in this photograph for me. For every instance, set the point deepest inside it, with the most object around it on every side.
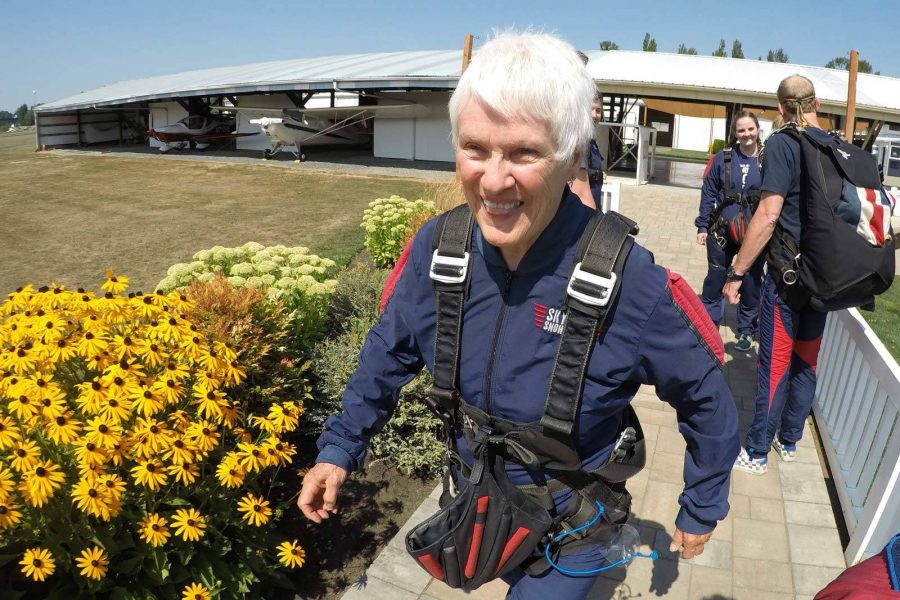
(278, 452)
(255, 510)
(42, 482)
(169, 389)
(62, 350)
(195, 591)
(230, 473)
(149, 473)
(154, 530)
(204, 435)
(152, 436)
(151, 353)
(63, 429)
(90, 453)
(91, 344)
(146, 402)
(185, 472)
(9, 432)
(7, 483)
(104, 431)
(92, 396)
(291, 554)
(189, 524)
(91, 497)
(252, 457)
(114, 284)
(25, 456)
(23, 406)
(93, 563)
(113, 485)
(22, 360)
(10, 515)
(38, 564)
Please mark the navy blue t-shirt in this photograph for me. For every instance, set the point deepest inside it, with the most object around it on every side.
(781, 175)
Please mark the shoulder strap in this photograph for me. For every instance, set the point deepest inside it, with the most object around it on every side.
(726, 154)
(449, 273)
(591, 291)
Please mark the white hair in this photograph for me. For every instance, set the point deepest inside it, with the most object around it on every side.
(534, 76)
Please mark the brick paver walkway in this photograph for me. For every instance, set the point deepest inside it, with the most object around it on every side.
(780, 540)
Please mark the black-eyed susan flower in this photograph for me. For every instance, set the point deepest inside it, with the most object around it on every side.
(146, 402)
(91, 497)
(25, 455)
(9, 432)
(63, 429)
(104, 430)
(91, 396)
(195, 591)
(255, 509)
(53, 403)
(189, 524)
(181, 451)
(204, 434)
(169, 389)
(91, 344)
(230, 473)
(116, 409)
(92, 563)
(278, 452)
(38, 564)
(185, 472)
(41, 482)
(21, 360)
(231, 414)
(92, 471)
(24, 406)
(153, 436)
(154, 530)
(290, 554)
(252, 457)
(62, 350)
(150, 352)
(115, 284)
(7, 483)
(149, 473)
(10, 515)
(114, 486)
(89, 452)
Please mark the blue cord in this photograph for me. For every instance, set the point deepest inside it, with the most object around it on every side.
(627, 559)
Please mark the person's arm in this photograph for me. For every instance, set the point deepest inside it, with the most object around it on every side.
(709, 196)
(581, 187)
(681, 353)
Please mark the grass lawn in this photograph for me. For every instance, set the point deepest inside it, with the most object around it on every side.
(886, 318)
(67, 218)
(697, 155)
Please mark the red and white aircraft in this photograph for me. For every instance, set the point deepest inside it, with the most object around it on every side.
(197, 131)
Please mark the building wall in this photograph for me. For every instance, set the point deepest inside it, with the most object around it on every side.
(61, 129)
(695, 133)
(421, 133)
(162, 114)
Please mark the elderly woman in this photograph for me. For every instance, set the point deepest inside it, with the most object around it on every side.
(520, 119)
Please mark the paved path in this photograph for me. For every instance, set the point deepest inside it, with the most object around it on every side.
(780, 540)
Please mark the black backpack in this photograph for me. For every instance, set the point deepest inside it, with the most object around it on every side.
(845, 254)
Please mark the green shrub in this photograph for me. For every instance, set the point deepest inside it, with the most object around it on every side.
(300, 281)
(386, 221)
(409, 440)
(716, 146)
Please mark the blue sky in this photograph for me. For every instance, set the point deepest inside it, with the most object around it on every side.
(52, 49)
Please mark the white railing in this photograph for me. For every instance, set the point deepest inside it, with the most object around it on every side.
(856, 411)
(610, 195)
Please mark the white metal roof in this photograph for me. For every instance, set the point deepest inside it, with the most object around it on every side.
(388, 70)
(719, 79)
(658, 74)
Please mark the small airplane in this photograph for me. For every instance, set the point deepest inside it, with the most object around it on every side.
(295, 128)
(194, 131)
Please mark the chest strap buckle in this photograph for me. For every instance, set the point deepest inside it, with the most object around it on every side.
(593, 290)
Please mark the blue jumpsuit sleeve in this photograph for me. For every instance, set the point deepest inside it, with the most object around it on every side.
(673, 357)
(389, 359)
(779, 173)
(709, 193)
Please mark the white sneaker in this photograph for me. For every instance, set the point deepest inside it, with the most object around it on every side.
(756, 466)
(787, 452)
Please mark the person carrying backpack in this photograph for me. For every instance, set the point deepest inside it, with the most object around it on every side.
(539, 320)
(728, 198)
(789, 339)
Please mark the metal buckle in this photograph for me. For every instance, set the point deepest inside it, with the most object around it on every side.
(449, 263)
(595, 289)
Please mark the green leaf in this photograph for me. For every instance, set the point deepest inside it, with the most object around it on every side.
(5, 558)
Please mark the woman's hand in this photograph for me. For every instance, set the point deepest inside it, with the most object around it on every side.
(701, 238)
(318, 498)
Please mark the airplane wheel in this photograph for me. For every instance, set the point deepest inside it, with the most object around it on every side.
(267, 154)
(303, 157)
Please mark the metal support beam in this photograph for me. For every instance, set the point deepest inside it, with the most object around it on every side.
(296, 99)
(78, 127)
(232, 99)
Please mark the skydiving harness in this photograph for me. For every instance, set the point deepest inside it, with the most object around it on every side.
(732, 230)
(490, 526)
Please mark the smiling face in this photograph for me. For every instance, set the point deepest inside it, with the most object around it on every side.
(510, 177)
(746, 132)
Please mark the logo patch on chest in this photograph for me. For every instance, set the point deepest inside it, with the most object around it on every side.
(548, 318)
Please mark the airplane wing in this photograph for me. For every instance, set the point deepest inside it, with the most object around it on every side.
(375, 108)
(219, 136)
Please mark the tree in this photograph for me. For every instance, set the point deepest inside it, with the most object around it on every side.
(720, 51)
(736, 50)
(608, 45)
(842, 62)
(777, 56)
(682, 49)
(649, 43)
(24, 116)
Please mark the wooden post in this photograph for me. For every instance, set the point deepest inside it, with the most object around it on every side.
(850, 125)
(467, 52)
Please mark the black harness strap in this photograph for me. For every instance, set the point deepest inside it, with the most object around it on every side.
(726, 154)
(450, 278)
(592, 286)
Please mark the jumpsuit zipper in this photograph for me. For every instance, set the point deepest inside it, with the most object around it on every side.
(489, 374)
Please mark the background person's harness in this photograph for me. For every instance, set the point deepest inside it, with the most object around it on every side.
(446, 544)
(731, 230)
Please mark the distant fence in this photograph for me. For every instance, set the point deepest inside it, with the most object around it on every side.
(857, 407)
